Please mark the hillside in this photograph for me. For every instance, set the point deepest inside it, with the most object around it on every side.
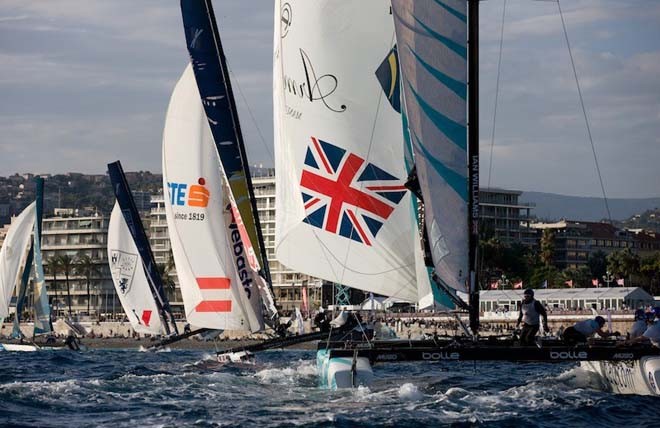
(550, 206)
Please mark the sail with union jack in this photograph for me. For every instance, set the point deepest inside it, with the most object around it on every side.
(346, 195)
(342, 214)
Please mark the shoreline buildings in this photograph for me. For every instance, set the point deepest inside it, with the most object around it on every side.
(76, 233)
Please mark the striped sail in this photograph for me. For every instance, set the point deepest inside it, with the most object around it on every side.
(42, 323)
(342, 212)
(12, 254)
(214, 260)
(129, 278)
(431, 39)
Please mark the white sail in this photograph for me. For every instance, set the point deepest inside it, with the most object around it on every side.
(342, 211)
(12, 255)
(431, 39)
(214, 263)
(129, 277)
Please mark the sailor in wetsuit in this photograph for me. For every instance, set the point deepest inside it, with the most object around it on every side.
(531, 310)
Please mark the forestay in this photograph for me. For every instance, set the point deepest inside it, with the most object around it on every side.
(129, 278)
(431, 38)
(217, 279)
(342, 211)
(14, 250)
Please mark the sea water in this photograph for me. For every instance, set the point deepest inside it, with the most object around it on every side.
(128, 388)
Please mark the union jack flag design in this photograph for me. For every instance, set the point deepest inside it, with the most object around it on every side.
(345, 195)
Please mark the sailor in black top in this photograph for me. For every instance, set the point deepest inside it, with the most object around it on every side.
(530, 312)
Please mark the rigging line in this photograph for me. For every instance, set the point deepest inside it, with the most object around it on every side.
(497, 93)
(254, 120)
(584, 113)
(368, 156)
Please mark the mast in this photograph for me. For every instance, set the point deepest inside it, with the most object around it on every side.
(473, 162)
(132, 218)
(212, 75)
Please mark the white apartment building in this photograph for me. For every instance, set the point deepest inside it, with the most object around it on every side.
(162, 249)
(75, 237)
(287, 284)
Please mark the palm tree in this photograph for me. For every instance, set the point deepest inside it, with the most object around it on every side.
(547, 248)
(67, 265)
(165, 271)
(86, 266)
(54, 268)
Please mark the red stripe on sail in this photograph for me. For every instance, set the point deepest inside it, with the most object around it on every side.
(214, 306)
(217, 283)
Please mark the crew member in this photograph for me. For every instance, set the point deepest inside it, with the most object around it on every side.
(583, 330)
(652, 333)
(639, 326)
(321, 321)
(531, 310)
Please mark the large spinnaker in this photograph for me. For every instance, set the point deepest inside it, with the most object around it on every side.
(13, 252)
(217, 279)
(129, 278)
(342, 211)
(431, 39)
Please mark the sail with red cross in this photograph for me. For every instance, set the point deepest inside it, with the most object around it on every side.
(344, 194)
(341, 211)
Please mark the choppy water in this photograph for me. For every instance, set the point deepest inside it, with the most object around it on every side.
(126, 388)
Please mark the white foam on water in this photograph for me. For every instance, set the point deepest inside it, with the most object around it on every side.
(410, 392)
(287, 375)
(48, 391)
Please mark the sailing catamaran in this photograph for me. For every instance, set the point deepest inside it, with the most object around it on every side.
(322, 146)
(129, 278)
(343, 158)
(132, 265)
(24, 231)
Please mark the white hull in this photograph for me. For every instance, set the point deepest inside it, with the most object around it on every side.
(628, 377)
(12, 347)
(236, 357)
(342, 372)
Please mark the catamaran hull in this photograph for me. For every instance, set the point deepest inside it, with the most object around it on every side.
(11, 347)
(343, 372)
(640, 376)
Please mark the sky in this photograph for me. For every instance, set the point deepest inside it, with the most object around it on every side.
(87, 82)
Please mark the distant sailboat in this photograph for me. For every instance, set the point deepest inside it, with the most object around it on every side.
(132, 265)
(24, 233)
(13, 254)
(129, 278)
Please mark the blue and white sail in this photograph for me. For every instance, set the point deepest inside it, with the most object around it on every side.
(42, 322)
(343, 213)
(129, 278)
(21, 293)
(432, 46)
(141, 243)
